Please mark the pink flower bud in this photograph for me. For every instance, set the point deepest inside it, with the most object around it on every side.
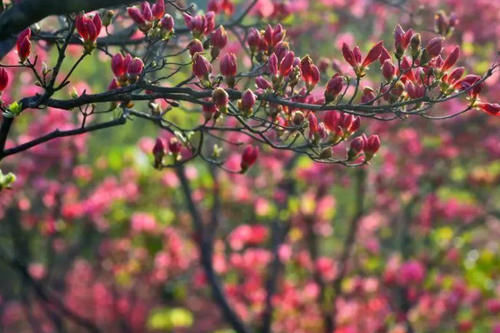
(159, 9)
(248, 99)
(451, 59)
(493, 109)
(273, 64)
(136, 16)
(249, 157)
(158, 152)
(23, 44)
(313, 124)
(253, 39)
(174, 146)
(368, 95)
(219, 38)
(220, 98)
(332, 120)
(135, 67)
(228, 65)
(286, 64)
(113, 85)
(384, 55)
(356, 147)
(434, 47)
(373, 54)
(333, 87)
(281, 50)
(210, 17)
(372, 146)
(455, 75)
(4, 79)
(201, 66)
(118, 65)
(147, 13)
(88, 28)
(262, 83)
(195, 46)
(167, 23)
(310, 73)
(388, 70)
(349, 55)
(209, 110)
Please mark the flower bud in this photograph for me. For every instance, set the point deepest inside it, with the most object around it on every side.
(298, 118)
(253, 39)
(356, 148)
(134, 68)
(146, 11)
(158, 152)
(174, 146)
(195, 46)
(158, 9)
(493, 109)
(313, 124)
(441, 23)
(113, 85)
(384, 55)
(262, 83)
(455, 75)
(4, 79)
(23, 44)
(286, 64)
(373, 54)
(451, 59)
(201, 67)
(349, 55)
(333, 88)
(218, 40)
(415, 43)
(332, 120)
(228, 65)
(247, 101)
(372, 145)
(118, 65)
(310, 73)
(220, 98)
(367, 96)
(434, 47)
(136, 15)
(249, 157)
(273, 64)
(167, 24)
(388, 70)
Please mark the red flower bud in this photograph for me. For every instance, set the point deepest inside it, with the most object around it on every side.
(118, 65)
(228, 65)
(388, 70)
(147, 13)
(455, 75)
(349, 55)
(333, 87)
(273, 64)
(23, 44)
(451, 59)
(174, 146)
(209, 110)
(467, 82)
(219, 38)
(281, 50)
(4, 79)
(313, 124)
(332, 120)
(113, 85)
(434, 47)
(287, 63)
(368, 95)
(220, 98)
(249, 157)
(88, 28)
(159, 9)
(253, 39)
(248, 99)
(135, 67)
(372, 145)
(493, 109)
(201, 66)
(262, 83)
(136, 16)
(195, 46)
(158, 152)
(167, 23)
(210, 17)
(310, 73)
(356, 147)
(384, 55)
(373, 54)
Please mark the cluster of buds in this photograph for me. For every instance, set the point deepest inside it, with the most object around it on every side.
(363, 144)
(23, 45)
(159, 152)
(200, 25)
(126, 70)
(354, 57)
(218, 6)
(266, 40)
(89, 28)
(249, 157)
(341, 125)
(152, 20)
(4, 79)
(443, 24)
